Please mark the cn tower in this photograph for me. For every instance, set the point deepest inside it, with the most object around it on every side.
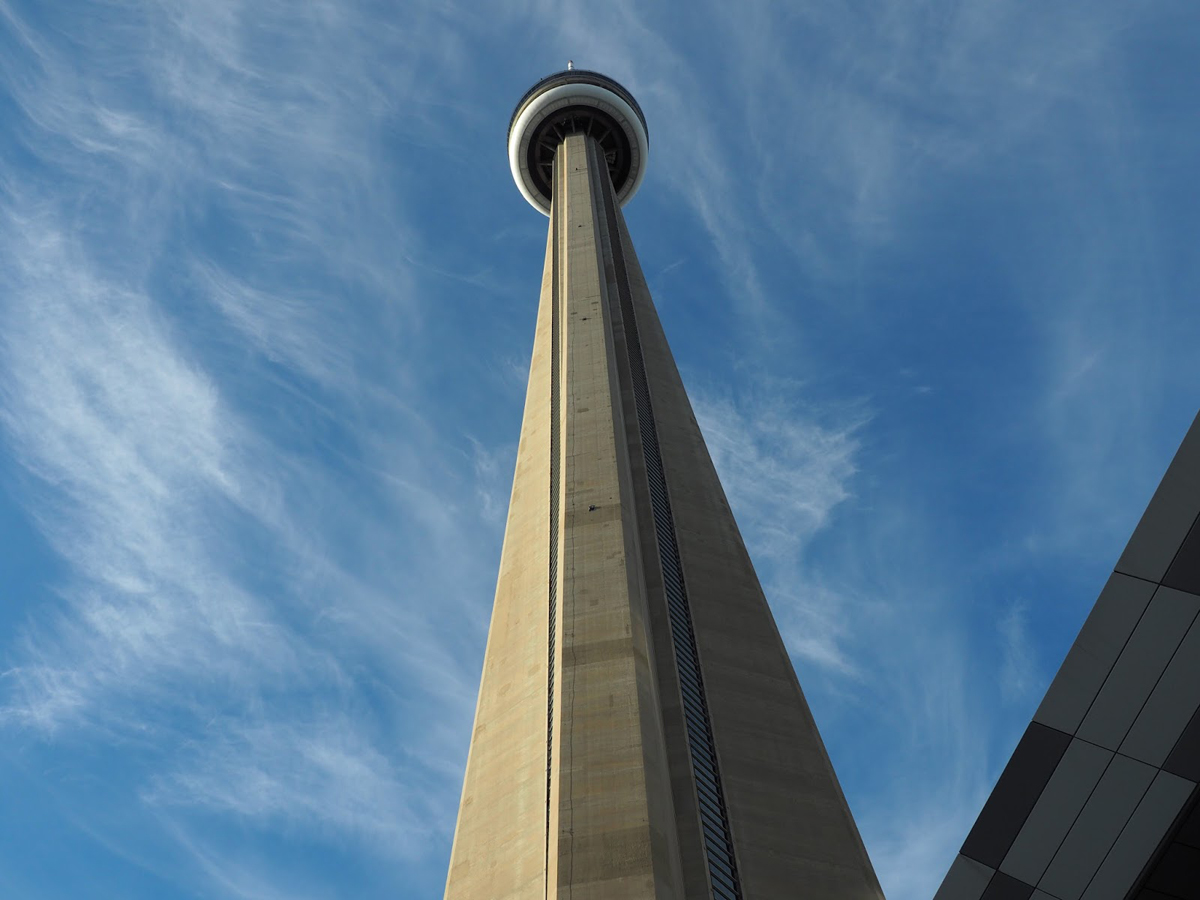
(640, 731)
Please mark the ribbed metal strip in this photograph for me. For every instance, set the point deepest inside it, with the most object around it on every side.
(718, 842)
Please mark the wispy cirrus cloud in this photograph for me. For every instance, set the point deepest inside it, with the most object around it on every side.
(223, 589)
(786, 472)
(1018, 676)
(322, 771)
(787, 469)
(131, 443)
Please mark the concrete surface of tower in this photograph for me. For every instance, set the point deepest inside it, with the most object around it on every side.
(640, 731)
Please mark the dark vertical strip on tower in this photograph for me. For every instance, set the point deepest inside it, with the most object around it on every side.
(718, 843)
(555, 441)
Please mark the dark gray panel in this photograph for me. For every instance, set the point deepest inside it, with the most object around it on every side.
(1185, 758)
(1169, 515)
(1016, 792)
(1189, 830)
(1005, 887)
(1184, 573)
(1140, 838)
(1171, 705)
(1139, 666)
(1177, 873)
(1060, 803)
(1173, 874)
(966, 880)
(1100, 641)
(1097, 828)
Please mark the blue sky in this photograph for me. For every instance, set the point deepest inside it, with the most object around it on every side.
(267, 297)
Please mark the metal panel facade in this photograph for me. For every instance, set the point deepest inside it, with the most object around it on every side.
(1111, 819)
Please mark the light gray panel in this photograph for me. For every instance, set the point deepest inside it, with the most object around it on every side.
(1170, 706)
(1139, 666)
(966, 880)
(1141, 837)
(1094, 652)
(1060, 803)
(1103, 817)
(1169, 515)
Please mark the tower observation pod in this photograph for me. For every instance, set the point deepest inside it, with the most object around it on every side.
(576, 102)
(640, 731)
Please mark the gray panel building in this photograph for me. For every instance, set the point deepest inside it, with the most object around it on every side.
(1099, 800)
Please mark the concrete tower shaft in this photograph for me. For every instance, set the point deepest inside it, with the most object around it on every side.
(640, 732)
(567, 782)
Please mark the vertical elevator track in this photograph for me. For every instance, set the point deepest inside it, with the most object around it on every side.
(718, 843)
